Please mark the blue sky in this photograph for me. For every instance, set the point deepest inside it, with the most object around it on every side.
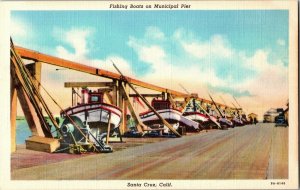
(245, 29)
(228, 52)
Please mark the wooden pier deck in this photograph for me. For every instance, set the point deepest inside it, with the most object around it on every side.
(250, 152)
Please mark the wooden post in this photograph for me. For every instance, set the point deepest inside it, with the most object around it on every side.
(107, 98)
(13, 114)
(76, 96)
(163, 95)
(72, 96)
(108, 128)
(124, 115)
(114, 93)
(171, 99)
(185, 103)
(123, 105)
(140, 125)
(35, 70)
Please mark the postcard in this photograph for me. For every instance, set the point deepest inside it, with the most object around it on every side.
(149, 95)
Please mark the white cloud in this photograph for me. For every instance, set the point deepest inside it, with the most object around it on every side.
(217, 45)
(269, 86)
(21, 31)
(107, 64)
(271, 83)
(167, 74)
(280, 42)
(77, 38)
(258, 62)
(64, 53)
(18, 28)
(152, 54)
(153, 32)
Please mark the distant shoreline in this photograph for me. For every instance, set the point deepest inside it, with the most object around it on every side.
(20, 117)
(23, 117)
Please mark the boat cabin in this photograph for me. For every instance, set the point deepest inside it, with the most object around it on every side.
(89, 96)
(160, 104)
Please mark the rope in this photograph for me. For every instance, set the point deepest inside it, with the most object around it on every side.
(29, 83)
(30, 96)
(35, 89)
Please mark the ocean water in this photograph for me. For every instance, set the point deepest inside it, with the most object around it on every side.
(23, 131)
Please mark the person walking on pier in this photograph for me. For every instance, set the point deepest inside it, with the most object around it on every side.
(255, 121)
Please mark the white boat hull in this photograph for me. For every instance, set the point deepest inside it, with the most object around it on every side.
(238, 122)
(98, 112)
(226, 122)
(195, 116)
(171, 115)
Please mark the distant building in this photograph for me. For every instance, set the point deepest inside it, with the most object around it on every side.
(271, 114)
(252, 116)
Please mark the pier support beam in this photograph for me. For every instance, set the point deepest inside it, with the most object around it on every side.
(114, 93)
(26, 105)
(172, 101)
(13, 115)
(123, 104)
(185, 103)
(36, 71)
(139, 124)
(107, 98)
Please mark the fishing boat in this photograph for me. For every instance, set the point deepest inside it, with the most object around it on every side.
(92, 115)
(237, 121)
(196, 116)
(244, 119)
(224, 121)
(173, 116)
(196, 113)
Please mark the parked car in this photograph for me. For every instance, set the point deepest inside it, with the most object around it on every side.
(280, 121)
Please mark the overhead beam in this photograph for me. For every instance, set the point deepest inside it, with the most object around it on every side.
(88, 84)
(37, 56)
(146, 95)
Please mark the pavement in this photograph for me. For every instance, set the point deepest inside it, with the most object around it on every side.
(251, 152)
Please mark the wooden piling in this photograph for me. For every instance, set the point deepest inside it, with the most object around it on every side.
(139, 124)
(13, 114)
(123, 105)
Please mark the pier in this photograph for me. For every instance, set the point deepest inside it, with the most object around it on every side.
(254, 152)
